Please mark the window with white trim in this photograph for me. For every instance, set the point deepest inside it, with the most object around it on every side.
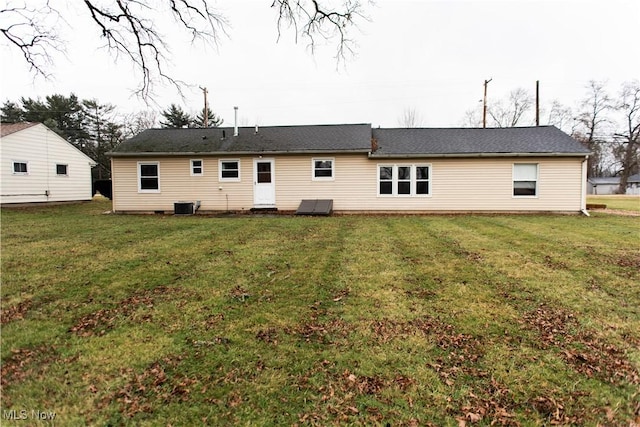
(197, 168)
(148, 177)
(323, 169)
(229, 170)
(20, 168)
(404, 180)
(525, 179)
(62, 169)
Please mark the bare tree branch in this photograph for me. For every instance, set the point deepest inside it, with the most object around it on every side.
(313, 20)
(25, 28)
(130, 30)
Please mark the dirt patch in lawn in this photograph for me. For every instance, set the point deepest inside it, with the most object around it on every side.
(616, 212)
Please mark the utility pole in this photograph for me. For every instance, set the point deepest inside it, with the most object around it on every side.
(206, 107)
(484, 105)
(537, 102)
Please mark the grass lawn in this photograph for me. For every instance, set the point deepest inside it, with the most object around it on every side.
(618, 202)
(417, 320)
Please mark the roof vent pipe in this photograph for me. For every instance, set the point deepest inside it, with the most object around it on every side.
(256, 128)
(235, 121)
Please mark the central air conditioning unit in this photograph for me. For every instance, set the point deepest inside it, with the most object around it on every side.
(183, 208)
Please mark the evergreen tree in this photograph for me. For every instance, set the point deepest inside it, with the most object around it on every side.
(213, 120)
(64, 115)
(10, 112)
(103, 134)
(175, 117)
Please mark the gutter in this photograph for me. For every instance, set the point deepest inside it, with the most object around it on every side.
(470, 155)
(231, 153)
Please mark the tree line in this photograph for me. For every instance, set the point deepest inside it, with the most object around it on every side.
(96, 128)
(606, 122)
(608, 125)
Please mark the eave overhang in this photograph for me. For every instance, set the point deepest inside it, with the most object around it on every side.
(233, 153)
(470, 155)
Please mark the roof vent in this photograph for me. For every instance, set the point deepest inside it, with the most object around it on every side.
(224, 134)
(235, 124)
(256, 128)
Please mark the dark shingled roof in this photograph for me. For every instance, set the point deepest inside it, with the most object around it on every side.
(475, 141)
(268, 139)
(354, 138)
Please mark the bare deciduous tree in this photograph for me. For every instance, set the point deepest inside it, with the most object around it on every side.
(472, 118)
(410, 118)
(510, 113)
(628, 151)
(593, 120)
(135, 123)
(561, 116)
(130, 29)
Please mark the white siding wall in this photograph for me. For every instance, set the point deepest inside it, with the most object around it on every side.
(478, 184)
(42, 149)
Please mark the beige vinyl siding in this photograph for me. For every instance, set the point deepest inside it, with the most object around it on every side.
(42, 149)
(460, 184)
(177, 184)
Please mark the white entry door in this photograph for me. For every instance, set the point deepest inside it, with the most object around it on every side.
(264, 185)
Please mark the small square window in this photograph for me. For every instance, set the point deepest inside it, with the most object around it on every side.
(20, 168)
(62, 169)
(229, 170)
(323, 169)
(196, 167)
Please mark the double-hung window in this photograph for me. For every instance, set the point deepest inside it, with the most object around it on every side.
(525, 180)
(229, 170)
(196, 167)
(20, 168)
(148, 177)
(323, 169)
(404, 180)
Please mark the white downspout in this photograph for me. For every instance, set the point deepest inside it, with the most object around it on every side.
(583, 196)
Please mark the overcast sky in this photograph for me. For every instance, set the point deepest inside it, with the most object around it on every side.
(431, 56)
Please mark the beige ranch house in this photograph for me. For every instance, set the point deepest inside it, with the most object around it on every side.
(359, 169)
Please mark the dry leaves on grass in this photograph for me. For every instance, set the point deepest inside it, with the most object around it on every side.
(24, 363)
(339, 392)
(103, 320)
(15, 312)
(582, 350)
(158, 383)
